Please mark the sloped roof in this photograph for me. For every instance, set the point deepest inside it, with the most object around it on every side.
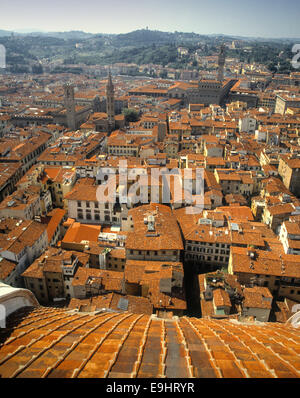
(59, 343)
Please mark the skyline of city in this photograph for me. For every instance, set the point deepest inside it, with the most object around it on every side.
(150, 192)
(268, 19)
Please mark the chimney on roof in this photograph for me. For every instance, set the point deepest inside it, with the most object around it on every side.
(151, 223)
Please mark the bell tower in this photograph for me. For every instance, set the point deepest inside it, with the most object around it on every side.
(110, 103)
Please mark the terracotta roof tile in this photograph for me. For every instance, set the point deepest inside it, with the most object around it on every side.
(48, 342)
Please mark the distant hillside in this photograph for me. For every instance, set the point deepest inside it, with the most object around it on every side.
(138, 37)
(74, 34)
(144, 37)
(5, 33)
(25, 50)
(141, 36)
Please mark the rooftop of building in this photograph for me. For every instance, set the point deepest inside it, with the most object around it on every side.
(48, 342)
(16, 235)
(77, 233)
(53, 260)
(165, 234)
(257, 297)
(260, 262)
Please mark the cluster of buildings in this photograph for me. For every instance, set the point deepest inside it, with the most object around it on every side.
(229, 251)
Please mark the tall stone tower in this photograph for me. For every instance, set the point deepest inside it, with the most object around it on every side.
(221, 63)
(162, 131)
(70, 106)
(110, 103)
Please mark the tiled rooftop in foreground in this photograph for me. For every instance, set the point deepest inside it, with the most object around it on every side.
(58, 343)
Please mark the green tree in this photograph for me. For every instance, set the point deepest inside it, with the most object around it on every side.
(131, 115)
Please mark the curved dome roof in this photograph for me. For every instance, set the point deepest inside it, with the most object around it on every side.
(48, 342)
(12, 298)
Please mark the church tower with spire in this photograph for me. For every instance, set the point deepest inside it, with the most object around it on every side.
(110, 102)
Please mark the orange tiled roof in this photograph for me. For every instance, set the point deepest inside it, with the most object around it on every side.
(56, 217)
(78, 232)
(136, 305)
(6, 268)
(257, 297)
(221, 298)
(48, 342)
(167, 231)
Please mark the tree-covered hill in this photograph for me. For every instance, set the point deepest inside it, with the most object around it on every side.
(140, 47)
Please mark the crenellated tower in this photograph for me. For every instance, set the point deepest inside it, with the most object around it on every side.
(221, 63)
(70, 105)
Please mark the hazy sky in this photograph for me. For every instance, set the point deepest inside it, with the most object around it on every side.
(265, 18)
